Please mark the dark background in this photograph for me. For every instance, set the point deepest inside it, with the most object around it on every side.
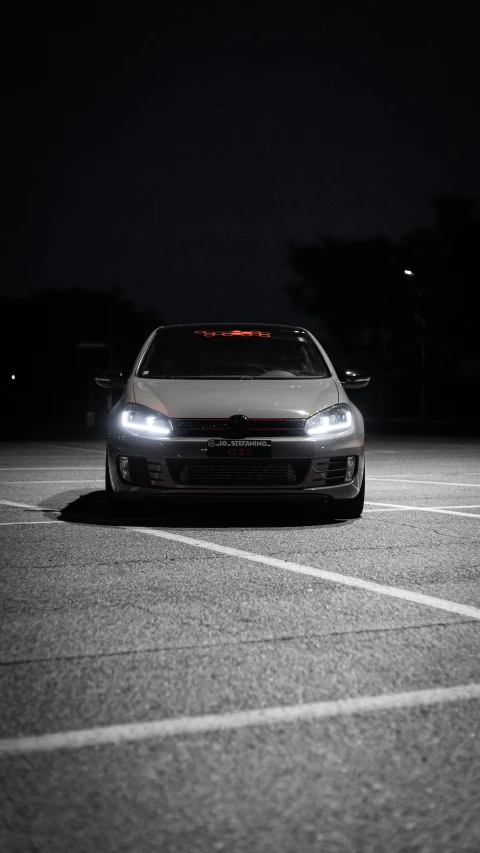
(243, 161)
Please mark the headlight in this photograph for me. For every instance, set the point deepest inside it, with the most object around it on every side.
(139, 420)
(332, 420)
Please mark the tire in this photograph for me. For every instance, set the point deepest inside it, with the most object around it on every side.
(109, 493)
(352, 508)
(104, 501)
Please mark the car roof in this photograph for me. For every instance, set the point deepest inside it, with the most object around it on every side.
(230, 325)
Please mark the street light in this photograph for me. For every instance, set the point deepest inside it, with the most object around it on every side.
(408, 272)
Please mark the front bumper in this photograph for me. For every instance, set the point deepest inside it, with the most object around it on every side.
(299, 467)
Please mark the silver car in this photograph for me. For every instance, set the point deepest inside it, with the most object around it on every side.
(231, 411)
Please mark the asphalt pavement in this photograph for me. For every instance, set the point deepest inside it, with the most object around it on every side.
(240, 678)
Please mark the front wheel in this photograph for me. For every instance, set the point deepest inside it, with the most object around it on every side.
(352, 508)
(110, 501)
(108, 482)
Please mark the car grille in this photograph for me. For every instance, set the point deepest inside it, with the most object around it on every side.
(152, 472)
(243, 472)
(205, 427)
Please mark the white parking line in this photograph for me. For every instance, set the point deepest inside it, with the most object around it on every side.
(424, 509)
(67, 456)
(424, 482)
(308, 712)
(46, 521)
(460, 506)
(417, 473)
(30, 506)
(334, 577)
(384, 509)
(400, 508)
(43, 482)
(55, 468)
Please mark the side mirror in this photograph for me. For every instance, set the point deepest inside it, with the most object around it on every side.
(110, 379)
(351, 379)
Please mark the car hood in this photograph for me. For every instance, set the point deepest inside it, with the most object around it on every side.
(222, 398)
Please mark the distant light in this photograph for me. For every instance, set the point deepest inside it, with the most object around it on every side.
(13, 376)
(408, 272)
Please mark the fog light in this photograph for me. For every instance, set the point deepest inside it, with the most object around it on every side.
(350, 470)
(124, 468)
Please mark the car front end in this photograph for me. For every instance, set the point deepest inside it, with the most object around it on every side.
(200, 457)
(269, 434)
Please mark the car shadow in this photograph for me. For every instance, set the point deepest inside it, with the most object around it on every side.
(91, 508)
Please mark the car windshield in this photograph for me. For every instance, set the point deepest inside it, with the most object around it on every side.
(209, 352)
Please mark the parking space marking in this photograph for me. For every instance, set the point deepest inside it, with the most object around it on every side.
(21, 455)
(280, 715)
(416, 473)
(424, 482)
(46, 521)
(54, 468)
(324, 574)
(400, 508)
(44, 482)
(424, 509)
(384, 509)
(30, 506)
(460, 506)
(334, 577)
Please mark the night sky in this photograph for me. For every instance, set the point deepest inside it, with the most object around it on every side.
(179, 155)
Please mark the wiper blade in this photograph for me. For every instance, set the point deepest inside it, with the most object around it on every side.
(170, 376)
(209, 376)
(263, 375)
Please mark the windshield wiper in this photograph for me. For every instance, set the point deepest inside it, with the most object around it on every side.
(263, 375)
(206, 376)
(171, 376)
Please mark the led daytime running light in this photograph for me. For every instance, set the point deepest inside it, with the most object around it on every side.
(336, 419)
(141, 422)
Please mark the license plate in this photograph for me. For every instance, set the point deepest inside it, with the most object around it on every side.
(240, 448)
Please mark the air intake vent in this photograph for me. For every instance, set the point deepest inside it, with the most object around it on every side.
(242, 472)
(330, 471)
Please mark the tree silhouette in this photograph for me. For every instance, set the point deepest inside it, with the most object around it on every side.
(397, 325)
(53, 342)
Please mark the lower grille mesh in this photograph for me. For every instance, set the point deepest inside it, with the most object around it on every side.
(147, 471)
(231, 472)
